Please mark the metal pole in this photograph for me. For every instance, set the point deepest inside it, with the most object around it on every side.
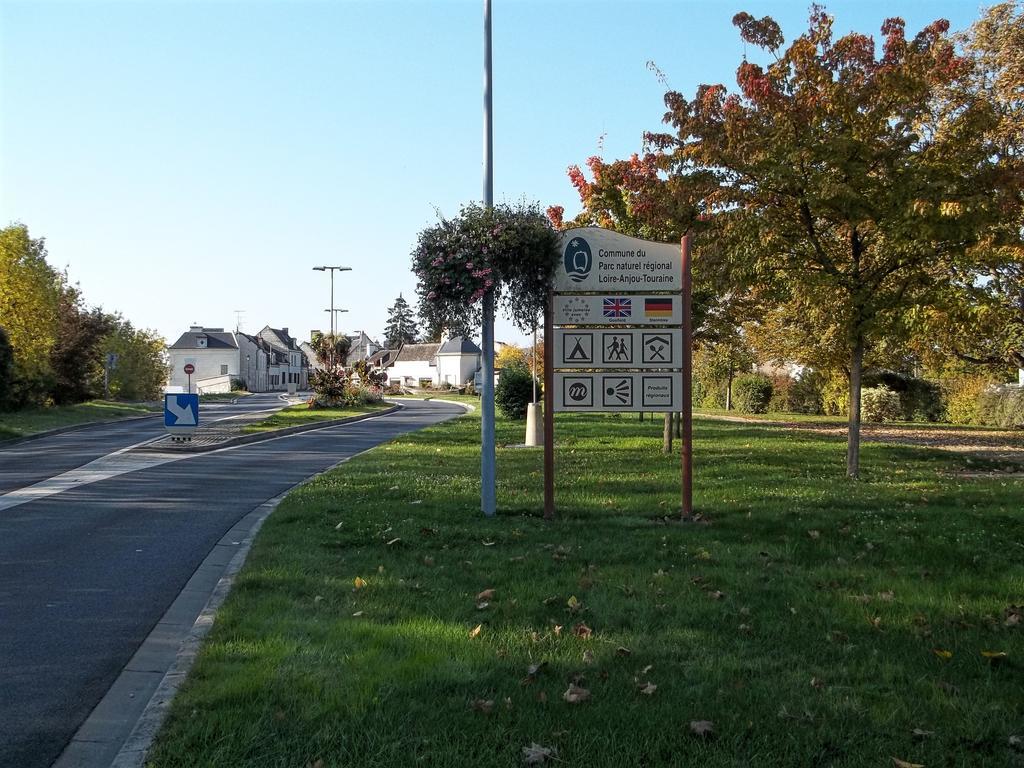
(549, 409)
(487, 458)
(332, 301)
(687, 414)
(534, 377)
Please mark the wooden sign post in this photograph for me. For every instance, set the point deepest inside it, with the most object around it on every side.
(618, 337)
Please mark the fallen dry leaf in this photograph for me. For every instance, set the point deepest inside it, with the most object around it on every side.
(648, 688)
(574, 694)
(814, 534)
(487, 594)
(483, 705)
(535, 754)
(418, 501)
(942, 654)
(917, 733)
(475, 631)
(339, 525)
(645, 670)
(582, 631)
(488, 543)
(702, 728)
(588, 656)
(904, 764)
(557, 629)
(817, 683)
(994, 657)
(533, 670)
(359, 582)
(394, 541)
(1016, 742)
(483, 605)
(357, 614)
(622, 651)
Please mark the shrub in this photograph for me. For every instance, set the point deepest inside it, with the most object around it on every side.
(1001, 406)
(835, 396)
(920, 399)
(514, 392)
(796, 394)
(751, 393)
(880, 404)
(963, 396)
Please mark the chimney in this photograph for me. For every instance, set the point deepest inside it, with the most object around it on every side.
(195, 329)
(285, 330)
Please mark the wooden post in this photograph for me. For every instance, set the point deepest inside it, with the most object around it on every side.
(686, 512)
(666, 435)
(549, 409)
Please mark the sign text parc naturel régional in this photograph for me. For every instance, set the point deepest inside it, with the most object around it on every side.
(595, 259)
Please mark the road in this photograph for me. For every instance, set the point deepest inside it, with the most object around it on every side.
(43, 457)
(87, 572)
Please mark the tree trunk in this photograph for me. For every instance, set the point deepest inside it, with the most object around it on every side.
(679, 425)
(853, 434)
(728, 389)
(666, 443)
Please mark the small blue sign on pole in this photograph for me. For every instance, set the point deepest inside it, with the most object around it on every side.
(181, 413)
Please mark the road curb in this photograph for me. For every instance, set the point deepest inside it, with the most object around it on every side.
(261, 436)
(7, 443)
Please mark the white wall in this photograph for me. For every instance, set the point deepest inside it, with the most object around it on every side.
(412, 369)
(208, 364)
(456, 368)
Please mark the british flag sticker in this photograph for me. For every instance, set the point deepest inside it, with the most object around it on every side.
(617, 308)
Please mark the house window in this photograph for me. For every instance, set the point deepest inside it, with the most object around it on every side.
(223, 370)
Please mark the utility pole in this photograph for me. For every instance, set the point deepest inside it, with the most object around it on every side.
(238, 319)
(488, 501)
(332, 270)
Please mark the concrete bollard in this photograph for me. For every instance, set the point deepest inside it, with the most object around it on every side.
(534, 424)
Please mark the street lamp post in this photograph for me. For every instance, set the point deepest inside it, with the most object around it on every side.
(332, 270)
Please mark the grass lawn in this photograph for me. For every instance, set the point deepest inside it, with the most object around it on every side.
(837, 421)
(221, 397)
(814, 621)
(27, 422)
(294, 415)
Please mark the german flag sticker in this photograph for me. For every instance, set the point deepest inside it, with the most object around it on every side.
(658, 307)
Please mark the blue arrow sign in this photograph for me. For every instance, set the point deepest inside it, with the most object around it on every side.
(181, 410)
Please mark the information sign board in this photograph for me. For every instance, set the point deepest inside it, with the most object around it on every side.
(593, 392)
(618, 348)
(618, 309)
(595, 259)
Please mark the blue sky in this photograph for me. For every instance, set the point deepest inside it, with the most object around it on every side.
(187, 159)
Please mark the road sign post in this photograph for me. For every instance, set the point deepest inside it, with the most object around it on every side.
(181, 414)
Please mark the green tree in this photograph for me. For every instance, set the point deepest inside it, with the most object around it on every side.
(77, 357)
(401, 327)
(141, 370)
(6, 370)
(845, 181)
(29, 299)
(981, 320)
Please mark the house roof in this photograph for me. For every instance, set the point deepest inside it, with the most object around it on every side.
(383, 357)
(459, 345)
(278, 337)
(214, 340)
(417, 353)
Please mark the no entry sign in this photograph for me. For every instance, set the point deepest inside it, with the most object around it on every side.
(190, 369)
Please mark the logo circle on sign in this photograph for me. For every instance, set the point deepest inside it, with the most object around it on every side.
(578, 259)
(578, 392)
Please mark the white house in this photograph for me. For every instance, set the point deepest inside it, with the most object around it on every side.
(214, 355)
(289, 368)
(453, 362)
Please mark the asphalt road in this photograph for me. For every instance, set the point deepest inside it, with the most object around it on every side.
(85, 574)
(29, 462)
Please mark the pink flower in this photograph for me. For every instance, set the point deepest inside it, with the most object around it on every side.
(469, 265)
(437, 262)
(432, 295)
